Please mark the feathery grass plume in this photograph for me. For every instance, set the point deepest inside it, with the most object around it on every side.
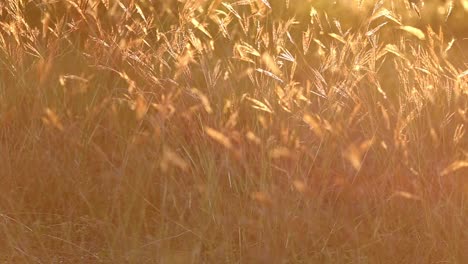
(456, 165)
(51, 118)
(384, 12)
(232, 121)
(141, 107)
(295, 125)
(261, 197)
(337, 37)
(200, 27)
(414, 31)
(253, 138)
(204, 100)
(256, 104)
(355, 153)
(407, 195)
(300, 186)
(219, 137)
(266, 3)
(231, 9)
(306, 40)
(459, 134)
(270, 63)
(170, 157)
(374, 30)
(280, 152)
(314, 125)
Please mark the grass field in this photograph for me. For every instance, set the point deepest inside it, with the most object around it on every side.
(251, 131)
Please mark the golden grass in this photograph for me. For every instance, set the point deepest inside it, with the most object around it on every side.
(252, 131)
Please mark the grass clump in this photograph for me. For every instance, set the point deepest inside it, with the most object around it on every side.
(233, 131)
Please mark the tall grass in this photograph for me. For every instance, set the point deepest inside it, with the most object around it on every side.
(233, 131)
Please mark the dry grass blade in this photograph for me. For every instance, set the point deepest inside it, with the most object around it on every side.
(232, 10)
(139, 11)
(449, 46)
(337, 37)
(394, 50)
(450, 5)
(260, 105)
(266, 3)
(313, 15)
(389, 15)
(374, 30)
(201, 27)
(269, 74)
(286, 55)
(244, 48)
(416, 9)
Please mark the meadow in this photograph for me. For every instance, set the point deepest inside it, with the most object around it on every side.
(224, 131)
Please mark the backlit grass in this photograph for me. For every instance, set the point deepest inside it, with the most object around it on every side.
(233, 131)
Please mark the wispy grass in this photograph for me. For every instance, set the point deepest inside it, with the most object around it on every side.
(233, 131)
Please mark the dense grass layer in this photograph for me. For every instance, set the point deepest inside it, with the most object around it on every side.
(233, 131)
